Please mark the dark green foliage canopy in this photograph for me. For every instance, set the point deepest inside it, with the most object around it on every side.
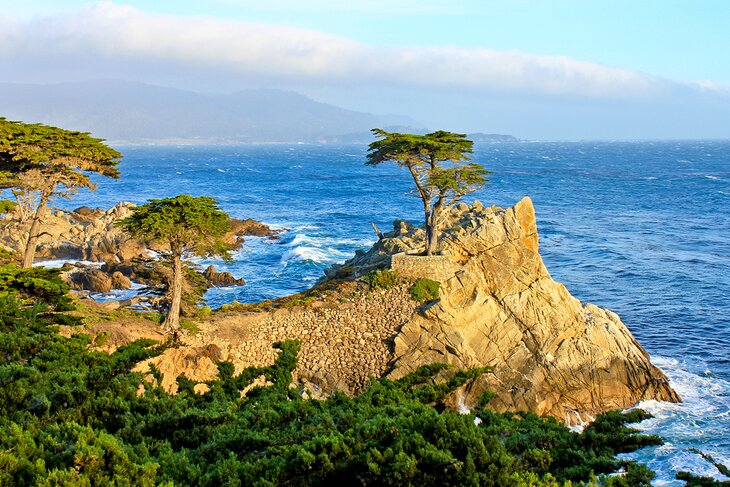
(51, 156)
(194, 224)
(427, 155)
(429, 149)
(72, 416)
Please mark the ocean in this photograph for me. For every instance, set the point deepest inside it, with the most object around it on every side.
(642, 228)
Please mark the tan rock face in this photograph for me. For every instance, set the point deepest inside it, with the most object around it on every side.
(550, 353)
(84, 235)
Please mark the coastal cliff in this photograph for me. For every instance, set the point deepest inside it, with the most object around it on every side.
(498, 307)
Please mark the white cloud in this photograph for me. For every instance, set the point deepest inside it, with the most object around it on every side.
(107, 34)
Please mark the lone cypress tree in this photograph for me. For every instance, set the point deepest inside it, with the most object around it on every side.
(39, 162)
(438, 163)
(184, 224)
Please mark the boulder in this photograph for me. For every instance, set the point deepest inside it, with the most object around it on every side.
(219, 279)
(91, 279)
(120, 281)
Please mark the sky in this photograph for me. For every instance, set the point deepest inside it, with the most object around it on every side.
(563, 69)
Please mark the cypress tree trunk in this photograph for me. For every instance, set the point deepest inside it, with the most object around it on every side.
(429, 229)
(432, 227)
(431, 234)
(172, 320)
(29, 252)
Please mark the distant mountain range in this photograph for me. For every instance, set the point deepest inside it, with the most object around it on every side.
(135, 113)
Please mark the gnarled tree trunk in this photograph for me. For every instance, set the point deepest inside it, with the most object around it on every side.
(31, 242)
(172, 319)
(432, 227)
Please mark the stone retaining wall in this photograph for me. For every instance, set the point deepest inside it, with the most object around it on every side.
(436, 267)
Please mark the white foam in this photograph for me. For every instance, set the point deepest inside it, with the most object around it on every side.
(696, 422)
(319, 249)
(312, 254)
(463, 408)
(304, 239)
(118, 294)
(58, 263)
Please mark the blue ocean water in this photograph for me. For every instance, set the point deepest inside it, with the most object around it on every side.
(641, 228)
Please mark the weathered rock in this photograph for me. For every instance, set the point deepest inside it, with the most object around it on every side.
(218, 279)
(91, 279)
(84, 234)
(550, 353)
(244, 228)
(91, 234)
(120, 281)
(193, 363)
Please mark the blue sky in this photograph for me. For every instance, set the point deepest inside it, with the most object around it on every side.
(630, 62)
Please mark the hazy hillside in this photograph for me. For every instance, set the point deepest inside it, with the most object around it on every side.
(139, 113)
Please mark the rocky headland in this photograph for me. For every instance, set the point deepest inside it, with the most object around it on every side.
(498, 307)
(103, 258)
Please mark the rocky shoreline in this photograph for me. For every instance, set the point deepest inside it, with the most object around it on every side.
(101, 258)
(498, 308)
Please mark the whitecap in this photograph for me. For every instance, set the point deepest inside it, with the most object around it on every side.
(304, 239)
(118, 294)
(58, 263)
(696, 422)
(311, 254)
(711, 177)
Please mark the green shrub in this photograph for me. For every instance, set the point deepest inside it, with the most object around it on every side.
(191, 326)
(74, 416)
(382, 279)
(424, 290)
(7, 256)
(7, 206)
(205, 312)
(36, 283)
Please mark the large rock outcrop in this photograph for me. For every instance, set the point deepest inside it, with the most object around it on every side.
(499, 307)
(84, 234)
(92, 234)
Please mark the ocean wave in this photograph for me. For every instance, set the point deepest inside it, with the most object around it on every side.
(58, 263)
(118, 294)
(304, 239)
(312, 254)
(321, 250)
(699, 421)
